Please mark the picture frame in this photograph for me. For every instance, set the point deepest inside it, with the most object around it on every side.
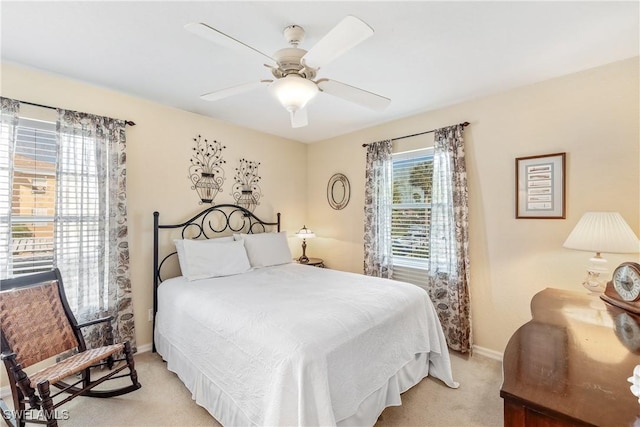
(540, 186)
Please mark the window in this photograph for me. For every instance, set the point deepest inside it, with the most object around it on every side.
(63, 204)
(32, 197)
(411, 208)
(54, 206)
(39, 185)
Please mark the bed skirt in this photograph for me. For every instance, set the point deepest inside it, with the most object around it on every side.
(208, 395)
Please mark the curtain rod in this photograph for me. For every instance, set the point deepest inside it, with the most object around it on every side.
(465, 124)
(126, 122)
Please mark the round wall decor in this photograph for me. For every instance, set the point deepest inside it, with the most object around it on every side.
(338, 191)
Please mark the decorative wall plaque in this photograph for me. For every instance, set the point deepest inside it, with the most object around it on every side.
(246, 191)
(338, 191)
(206, 171)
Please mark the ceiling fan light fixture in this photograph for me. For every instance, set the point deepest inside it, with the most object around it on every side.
(293, 91)
(295, 68)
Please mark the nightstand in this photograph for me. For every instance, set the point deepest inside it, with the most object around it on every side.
(316, 262)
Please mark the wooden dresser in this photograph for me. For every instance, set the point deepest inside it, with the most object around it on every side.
(569, 365)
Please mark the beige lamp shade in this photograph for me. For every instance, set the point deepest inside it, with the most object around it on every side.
(603, 232)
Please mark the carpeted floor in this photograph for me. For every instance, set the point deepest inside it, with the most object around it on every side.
(164, 401)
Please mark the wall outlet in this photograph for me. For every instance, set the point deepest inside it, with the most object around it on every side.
(150, 315)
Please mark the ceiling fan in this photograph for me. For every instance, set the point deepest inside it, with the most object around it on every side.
(295, 69)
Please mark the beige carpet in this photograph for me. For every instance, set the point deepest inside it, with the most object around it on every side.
(164, 401)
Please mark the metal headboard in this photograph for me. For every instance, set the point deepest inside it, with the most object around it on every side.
(205, 225)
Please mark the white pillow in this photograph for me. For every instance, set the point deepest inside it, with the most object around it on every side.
(184, 268)
(200, 259)
(266, 249)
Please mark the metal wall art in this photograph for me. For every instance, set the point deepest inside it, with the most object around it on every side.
(246, 191)
(338, 191)
(206, 171)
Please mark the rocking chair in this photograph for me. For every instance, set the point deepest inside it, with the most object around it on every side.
(38, 324)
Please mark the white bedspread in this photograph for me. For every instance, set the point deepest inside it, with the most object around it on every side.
(298, 345)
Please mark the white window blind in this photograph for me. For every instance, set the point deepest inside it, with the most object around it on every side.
(32, 197)
(410, 214)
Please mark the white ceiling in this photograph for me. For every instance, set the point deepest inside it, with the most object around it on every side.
(423, 55)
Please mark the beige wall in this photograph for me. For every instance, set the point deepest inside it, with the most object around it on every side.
(593, 116)
(158, 151)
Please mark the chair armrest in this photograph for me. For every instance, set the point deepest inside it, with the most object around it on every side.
(93, 322)
(4, 356)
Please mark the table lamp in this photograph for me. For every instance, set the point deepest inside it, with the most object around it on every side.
(304, 234)
(601, 232)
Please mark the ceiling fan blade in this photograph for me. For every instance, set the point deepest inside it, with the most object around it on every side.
(234, 90)
(348, 33)
(299, 118)
(353, 94)
(211, 34)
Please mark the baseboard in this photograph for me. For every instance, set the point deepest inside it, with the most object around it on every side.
(145, 348)
(492, 354)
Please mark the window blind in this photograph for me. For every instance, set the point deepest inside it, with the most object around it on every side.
(410, 274)
(410, 212)
(33, 189)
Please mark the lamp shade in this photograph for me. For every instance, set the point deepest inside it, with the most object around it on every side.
(305, 233)
(293, 91)
(603, 232)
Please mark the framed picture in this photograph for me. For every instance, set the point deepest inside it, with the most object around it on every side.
(540, 186)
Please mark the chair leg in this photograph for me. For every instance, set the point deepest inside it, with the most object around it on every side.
(110, 362)
(20, 385)
(86, 377)
(131, 364)
(23, 387)
(47, 404)
(20, 408)
(108, 339)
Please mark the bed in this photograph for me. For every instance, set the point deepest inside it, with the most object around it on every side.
(284, 344)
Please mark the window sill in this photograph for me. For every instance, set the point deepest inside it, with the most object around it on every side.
(411, 263)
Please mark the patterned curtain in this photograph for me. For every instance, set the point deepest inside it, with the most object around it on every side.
(448, 277)
(91, 247)
(8, 123)
(378, 259)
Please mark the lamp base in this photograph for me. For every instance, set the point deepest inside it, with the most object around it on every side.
(304, 259)
(593, 284)
(597, 274)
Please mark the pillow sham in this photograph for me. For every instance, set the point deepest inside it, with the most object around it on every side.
(200, 259)
(266, 249)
